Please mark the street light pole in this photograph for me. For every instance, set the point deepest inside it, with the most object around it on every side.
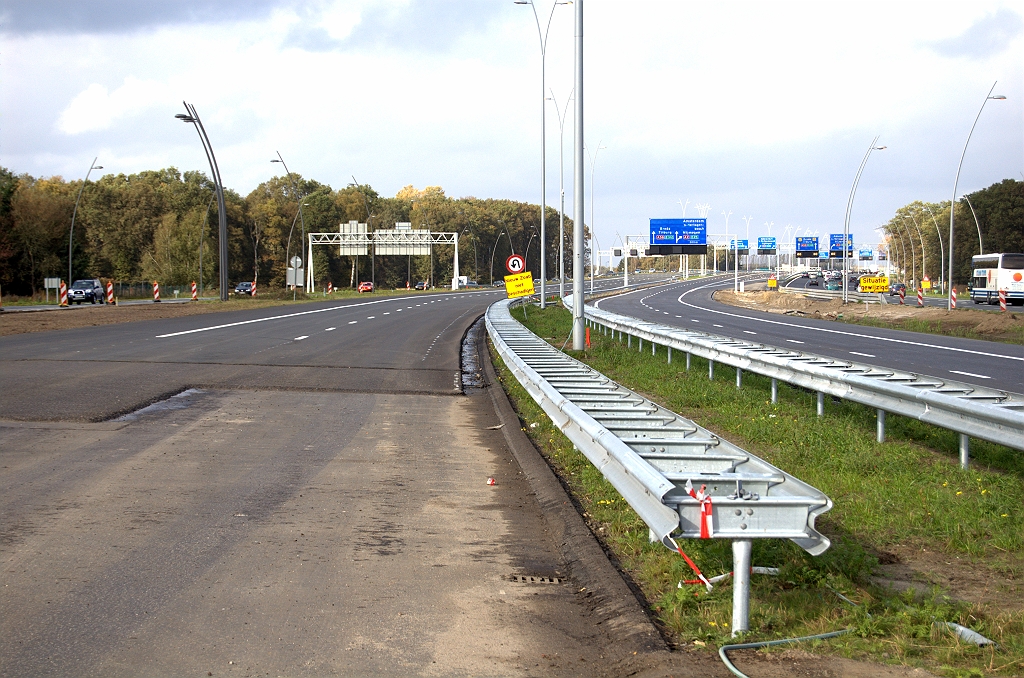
(299, 197)
(593, 164)
(561, 192)
(924, 257)
(942, 252)
(193, 117)
(981, 248)
(849, 210)
(952, 204)
(74, 213)
(543, 37)
(577, 192)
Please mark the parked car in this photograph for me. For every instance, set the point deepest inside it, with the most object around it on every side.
(90, 290)
(365, 287)
(421, 285)
(894, 289)
(244, 288)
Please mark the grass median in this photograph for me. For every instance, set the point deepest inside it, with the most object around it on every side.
(915, 539)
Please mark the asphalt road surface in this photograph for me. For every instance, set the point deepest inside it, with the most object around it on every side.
(689, 305)
(311, 500)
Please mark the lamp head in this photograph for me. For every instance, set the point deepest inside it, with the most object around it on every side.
(184, 118)
(97, 167)
(998, 96)
(274, 160)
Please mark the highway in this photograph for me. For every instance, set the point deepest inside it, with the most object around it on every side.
(284, 491)
(689, 305)
(930, 301)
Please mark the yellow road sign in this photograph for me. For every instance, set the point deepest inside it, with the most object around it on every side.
(772, 283)
(926, 284)
(519, 285)
(874, 284)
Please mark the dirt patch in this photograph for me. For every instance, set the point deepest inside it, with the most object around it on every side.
(1007, 327)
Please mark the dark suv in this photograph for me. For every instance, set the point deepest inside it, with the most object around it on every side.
(86, 290)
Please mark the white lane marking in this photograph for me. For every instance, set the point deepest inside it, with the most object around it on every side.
(849, 334)
(273, 317)
(970, 374)
(304, 336)
(714, 325)
(694, 321)
(330, 329)
(794, 341)
(866, 355)
(352, 322)
(387, 313)
(371, 317)
(749, 332)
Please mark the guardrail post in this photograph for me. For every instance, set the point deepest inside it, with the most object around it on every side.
(775, 390)
(629, 340)
(687, 361)
(711, 369)
(741, 549)
(965, 450)
(880, 426)
(669, 348)
(654, 347)
(821, 404)
(739, 378)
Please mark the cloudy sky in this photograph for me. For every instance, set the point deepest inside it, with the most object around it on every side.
(761, 109)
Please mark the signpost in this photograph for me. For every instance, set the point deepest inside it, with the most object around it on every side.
(874, 284)
(519, 285)
(679, 236)
(807, 248)
(767, 245)
(866, 254)
(515, 264)
(835, 246)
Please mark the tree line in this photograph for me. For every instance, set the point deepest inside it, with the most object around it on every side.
(917, 236)
(157, 225)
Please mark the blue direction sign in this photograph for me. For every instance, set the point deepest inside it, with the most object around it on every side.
(679, 236)
(823, 254)
(866, 254)
(679, 231)
(807, 247)
(766, 243)
(835, 245)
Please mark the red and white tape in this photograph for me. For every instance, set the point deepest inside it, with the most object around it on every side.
(706, 520)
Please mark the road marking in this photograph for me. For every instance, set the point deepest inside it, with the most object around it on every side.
(830, 331)
(866, 355)
(694, 321)
(371, 317)
(749, 332)
(352, 322)
(794, 341)
(714, 325)
(387, 313)
(304, 336)
(679, 316)
(330, 329)
(970, 374)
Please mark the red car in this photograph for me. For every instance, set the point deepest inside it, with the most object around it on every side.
(365, 287)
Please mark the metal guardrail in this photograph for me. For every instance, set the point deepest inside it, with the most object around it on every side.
(972, 411)
(653, 456)
(869, 297)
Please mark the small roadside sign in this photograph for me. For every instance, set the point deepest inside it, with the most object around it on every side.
(773, 283)
(519, 285)
(515, 264)
(874, 284)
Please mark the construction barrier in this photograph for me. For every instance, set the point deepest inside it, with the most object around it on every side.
(254, 288)
(330, 288)
(920, 297)
(63, 293)
(1002, 300)
(195, 291)
(952, 298)
(156, 291)
(903, 295)
(110, 293)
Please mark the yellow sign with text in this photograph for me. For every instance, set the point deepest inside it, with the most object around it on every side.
(519, 285)
(772, 283)
(874, 284)
(926, 284)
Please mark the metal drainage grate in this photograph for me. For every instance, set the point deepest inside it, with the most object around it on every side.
(530, 579)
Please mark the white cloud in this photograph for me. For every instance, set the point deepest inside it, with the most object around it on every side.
(96, 108)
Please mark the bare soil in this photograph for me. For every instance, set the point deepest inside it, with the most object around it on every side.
(987, 325)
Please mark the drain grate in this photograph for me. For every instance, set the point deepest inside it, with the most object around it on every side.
(530, 579)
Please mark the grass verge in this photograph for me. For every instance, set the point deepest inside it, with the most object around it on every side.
(946, 328)
(905, 502)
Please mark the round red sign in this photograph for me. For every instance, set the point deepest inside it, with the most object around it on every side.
(515, 264)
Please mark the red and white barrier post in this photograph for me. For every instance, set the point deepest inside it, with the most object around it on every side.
(1002, 300)
(156, 291)
(254, 288)
(195, 291)
(330, 288)
(110, 292)
(952, 298)
(920, 296)
(63, 293)
(903, 295)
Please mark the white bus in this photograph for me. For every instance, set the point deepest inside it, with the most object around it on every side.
(994, 272)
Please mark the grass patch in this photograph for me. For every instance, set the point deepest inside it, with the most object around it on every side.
(947, 328)
(906, 494)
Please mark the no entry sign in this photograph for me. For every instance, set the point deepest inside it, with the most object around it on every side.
(515, 264)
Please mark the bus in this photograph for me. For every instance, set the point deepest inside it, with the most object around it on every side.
(994, 272)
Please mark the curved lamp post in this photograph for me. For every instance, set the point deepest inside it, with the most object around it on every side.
(74, 213)
(495, 249)
(942, 251)
(543, 37)
(981, 248)
(302, 219)
(952, 204)
(924, 257)
(192, 117)
(849, 210)
(561, 194)
(593, 227)
(913, 255)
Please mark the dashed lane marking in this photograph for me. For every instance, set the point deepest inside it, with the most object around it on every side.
(304, 336)
(749, 332)
(794, 341)
(352, 322)
(970, 374)
(866, 355)
(330, 329)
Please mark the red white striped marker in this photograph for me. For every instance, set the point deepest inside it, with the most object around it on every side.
(254, 288)
(110, 292)
(195, 291)
(156, 291)
(1002, 300)
(63, 293)
(952, 298)
(920, 297)
(903, 295)
(330, 288)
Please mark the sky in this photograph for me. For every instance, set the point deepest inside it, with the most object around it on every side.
(761, 110)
